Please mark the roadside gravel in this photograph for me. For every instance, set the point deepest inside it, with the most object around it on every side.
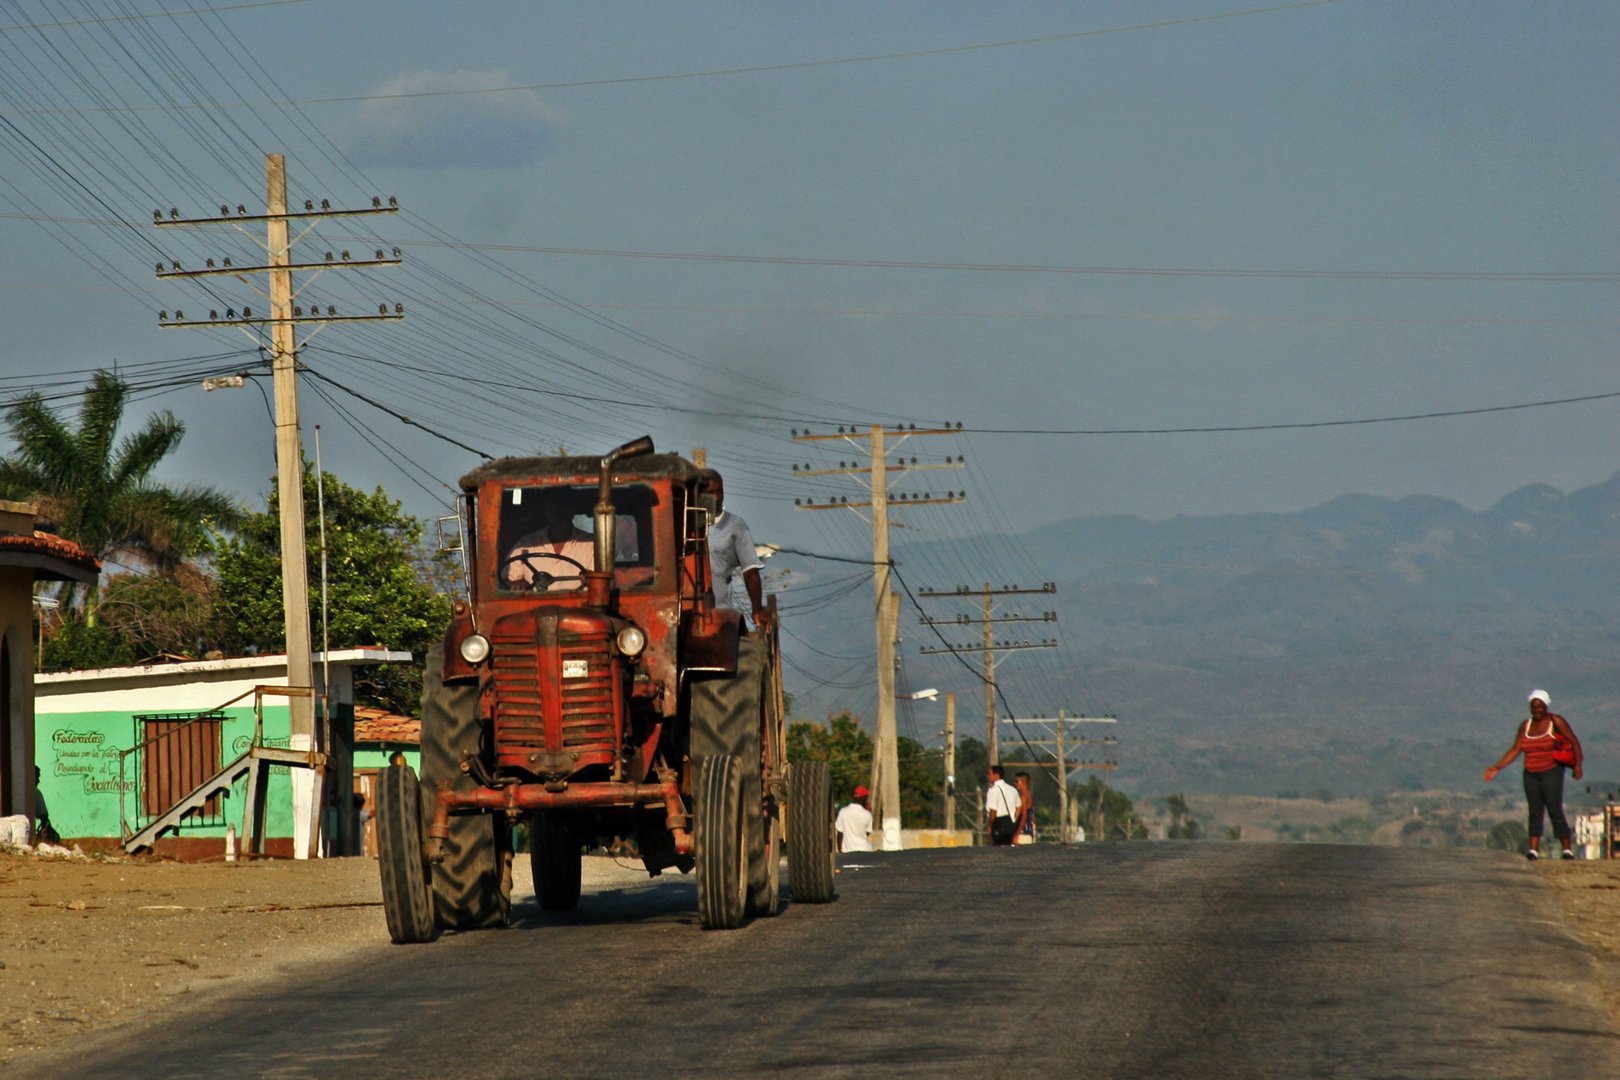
(84, 941)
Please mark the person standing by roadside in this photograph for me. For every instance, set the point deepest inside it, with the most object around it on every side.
(1001, 803)
(1026, 810)
(1549, 745)
(854, 823)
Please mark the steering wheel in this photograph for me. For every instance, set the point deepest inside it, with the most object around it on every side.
(541, 580)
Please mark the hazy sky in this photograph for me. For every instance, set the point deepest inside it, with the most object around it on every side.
(1348, 149)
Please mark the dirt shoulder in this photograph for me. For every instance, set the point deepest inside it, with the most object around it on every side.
(1589, 894)
(86, 941)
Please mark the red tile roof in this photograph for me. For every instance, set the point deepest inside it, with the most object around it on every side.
(374, 725)
(42, 543)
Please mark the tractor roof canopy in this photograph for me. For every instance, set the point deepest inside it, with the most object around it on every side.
(581, 469)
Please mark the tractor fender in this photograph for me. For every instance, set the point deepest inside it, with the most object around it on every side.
(710, 641)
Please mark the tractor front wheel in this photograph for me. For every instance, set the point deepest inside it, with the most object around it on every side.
(722, 857)
(554, 855)
(407, 902)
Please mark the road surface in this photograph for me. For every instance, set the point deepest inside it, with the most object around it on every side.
(1132, 960)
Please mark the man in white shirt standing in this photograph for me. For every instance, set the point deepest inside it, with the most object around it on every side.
(1001, 805)
(731, 552)
(854, 823)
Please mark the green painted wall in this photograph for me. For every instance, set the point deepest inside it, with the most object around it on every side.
(77, 754)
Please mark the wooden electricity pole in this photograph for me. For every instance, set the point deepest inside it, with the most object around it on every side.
(950, 761)
(989, 646)
(285, 316)
(874, 442)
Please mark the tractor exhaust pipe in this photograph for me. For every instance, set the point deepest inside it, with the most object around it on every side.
(599, 582)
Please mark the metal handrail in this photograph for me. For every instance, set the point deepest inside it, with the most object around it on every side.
(257, 693)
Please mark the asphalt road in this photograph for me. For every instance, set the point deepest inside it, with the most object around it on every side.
(1135, 960)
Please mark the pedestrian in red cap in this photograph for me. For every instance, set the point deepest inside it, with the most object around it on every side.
(854, 823)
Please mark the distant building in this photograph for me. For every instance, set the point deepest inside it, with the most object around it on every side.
(119, 747)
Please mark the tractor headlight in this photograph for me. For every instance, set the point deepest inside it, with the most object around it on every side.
(631, 640)
(475, 648)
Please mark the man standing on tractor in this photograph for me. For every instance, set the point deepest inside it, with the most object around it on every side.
(731, 551)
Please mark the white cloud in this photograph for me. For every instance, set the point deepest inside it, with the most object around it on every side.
(429, 119)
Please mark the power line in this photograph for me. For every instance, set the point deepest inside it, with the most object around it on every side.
(1309, 273)
(713, 73)
(1296, 426)
(147, 15)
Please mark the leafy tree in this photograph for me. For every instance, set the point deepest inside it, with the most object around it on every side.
(1107, 814)
(1508, 836)
(165, 616)
(99, 491)
(1183, 826)
(842, 744)
(848, 750)
(378, 583)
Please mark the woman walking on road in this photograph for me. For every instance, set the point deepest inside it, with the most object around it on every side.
(1548, 745)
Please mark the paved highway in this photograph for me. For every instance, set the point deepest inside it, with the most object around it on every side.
(1135, 960)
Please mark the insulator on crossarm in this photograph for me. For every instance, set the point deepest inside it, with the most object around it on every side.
(210, 264)
(325, 205)
(376, 202)
(247, 313)
(157, 215)
(224, 211)
(399, 309)
(382, 309)
(308, 205)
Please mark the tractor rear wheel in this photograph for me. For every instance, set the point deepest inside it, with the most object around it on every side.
(472, 886)
(407, 903)
(810, 832)
(732, 716)
(555, 857)
(722, 859)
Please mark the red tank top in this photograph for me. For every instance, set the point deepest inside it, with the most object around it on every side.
(1538, 749)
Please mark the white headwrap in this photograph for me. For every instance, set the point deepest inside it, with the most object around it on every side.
(1542, 694)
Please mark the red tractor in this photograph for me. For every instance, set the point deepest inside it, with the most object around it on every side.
(591, 689)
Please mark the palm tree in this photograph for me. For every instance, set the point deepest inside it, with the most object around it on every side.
(101, 494)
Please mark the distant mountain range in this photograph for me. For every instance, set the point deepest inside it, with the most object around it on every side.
(1363, 646)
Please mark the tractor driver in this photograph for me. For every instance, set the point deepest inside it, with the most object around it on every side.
(552, 558)
(731, 551)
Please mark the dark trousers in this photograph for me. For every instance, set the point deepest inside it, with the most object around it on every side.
(1545, 791)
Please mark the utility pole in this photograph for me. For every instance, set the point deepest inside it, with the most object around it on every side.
(285, 316)
(875, 444)
(1059, 742)
(988, 620)
(950, 761)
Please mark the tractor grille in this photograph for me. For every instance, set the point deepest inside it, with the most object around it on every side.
(519, 719)
(587, 702)
(555, 697)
